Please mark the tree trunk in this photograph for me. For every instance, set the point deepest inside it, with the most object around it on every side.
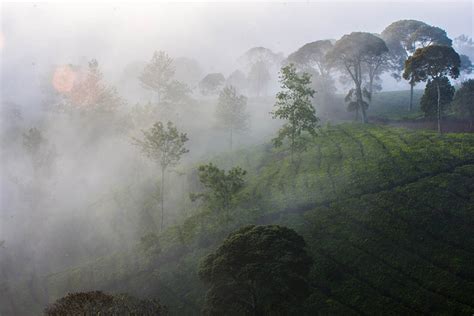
(412, 85)
(360, 103)
(162, 197)
(439, 108)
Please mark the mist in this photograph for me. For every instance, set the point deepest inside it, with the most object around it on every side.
(84, 189)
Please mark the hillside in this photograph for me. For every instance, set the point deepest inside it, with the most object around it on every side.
(387, 214)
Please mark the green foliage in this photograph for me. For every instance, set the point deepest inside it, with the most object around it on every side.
(150, 243)
(429, 99)
(158, 73)
(433, 61)
(359, 54)
(99, 303)
(258, 270)
(221, 187)
(294, 105)
(165, 145)
(464, 99)
(231, 112)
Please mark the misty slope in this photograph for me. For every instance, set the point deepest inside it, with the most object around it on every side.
(387, 215)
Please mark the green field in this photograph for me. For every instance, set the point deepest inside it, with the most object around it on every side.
(387, 214)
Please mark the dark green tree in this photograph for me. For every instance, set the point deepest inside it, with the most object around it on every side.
(231, 112)
(354, 54)
(294, 106)
(99, 303)
(433, 62)
(403, 37)
(464, 100)
(258, 270)
(429, 99)
(221, 187)
(164, 145)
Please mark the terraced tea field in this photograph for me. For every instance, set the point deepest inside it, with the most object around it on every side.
(388, 216)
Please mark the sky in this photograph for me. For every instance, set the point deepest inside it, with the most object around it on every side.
(36, 35)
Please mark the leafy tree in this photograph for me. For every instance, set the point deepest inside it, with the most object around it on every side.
(259, 77)
(258, 270)
(311, 58)
(39, 150)
(164, 145)
(433, 62)
(429, 99)
(238, 80)
(466, 65)
(221, 187)
(294, 105)
(211, 83)
(258, 62)
(231, 112)
(403, 37)
(176, 93)
(158, 73)
(99, 303)
(464, 100)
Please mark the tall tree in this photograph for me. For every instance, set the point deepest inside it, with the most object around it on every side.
(294, 105)
(403, 37)
(311, 58)
(259, 77)
(238, 80)
(231, 112)
(258, 270)
(433, 62)
(158, 73)
(464, 100)
(259, 63)
(354, 53)
(164, 145)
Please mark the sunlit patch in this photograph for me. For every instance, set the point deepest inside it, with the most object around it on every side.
(63, 79)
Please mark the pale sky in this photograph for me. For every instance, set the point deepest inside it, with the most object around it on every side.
(35, 35)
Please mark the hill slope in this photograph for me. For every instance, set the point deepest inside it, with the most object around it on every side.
(387, 214)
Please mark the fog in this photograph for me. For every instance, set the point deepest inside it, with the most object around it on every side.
(88, 190)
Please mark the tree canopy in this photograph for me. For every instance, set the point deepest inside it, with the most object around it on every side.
(257, 270)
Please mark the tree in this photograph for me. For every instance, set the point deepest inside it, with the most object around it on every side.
(403, 37)
(258, 270)
(231, 112)
(259, 77)
(433, 62)
(211, 83)
(464, 100)
(221, 187)
(238, 80)
(311, 58)
(353, 54)
(429, 99)
(99, 303)
(294, 105)
(164, 145)
(258, 62)
(40, 152)
(158, 73)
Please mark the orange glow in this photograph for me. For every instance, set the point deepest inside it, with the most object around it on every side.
(63, 79)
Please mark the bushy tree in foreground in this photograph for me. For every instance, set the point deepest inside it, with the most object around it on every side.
(99, 303)
(464, 100)
(258, 270)
(294, 106)
(221, 187)
(429, 99)
(164, 145)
